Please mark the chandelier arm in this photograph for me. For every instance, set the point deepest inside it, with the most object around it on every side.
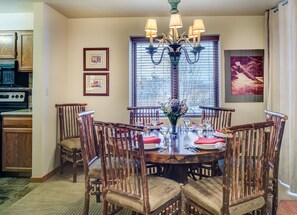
(158, 62)
(188, 58)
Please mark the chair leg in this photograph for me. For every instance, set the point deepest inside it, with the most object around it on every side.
(87, 196)
(105, 207)
(98, 192)
(274, 197)
(61, 161)
(74, 166)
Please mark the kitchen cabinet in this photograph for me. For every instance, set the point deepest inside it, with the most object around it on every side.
(18, 45)
(8, 44)
(17, 143)
(25, 51)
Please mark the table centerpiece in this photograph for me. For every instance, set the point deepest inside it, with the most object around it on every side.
(174, 109)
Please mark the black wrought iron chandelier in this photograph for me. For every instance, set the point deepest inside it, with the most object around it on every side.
(173, 40)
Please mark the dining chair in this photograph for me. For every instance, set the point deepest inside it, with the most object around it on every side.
(68, 132)
(126, 183)
(274, 153)
(243, 188)
(91, 159)
(143, 114)
(219, 118)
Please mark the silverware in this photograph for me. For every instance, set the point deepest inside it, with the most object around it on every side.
(192, 149)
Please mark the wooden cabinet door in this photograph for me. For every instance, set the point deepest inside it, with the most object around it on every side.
(17, 149)
(25, 51)
(7, 45)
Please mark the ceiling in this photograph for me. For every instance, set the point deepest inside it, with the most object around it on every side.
(143, 8)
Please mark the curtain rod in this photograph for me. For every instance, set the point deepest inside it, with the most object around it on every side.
(275, 9)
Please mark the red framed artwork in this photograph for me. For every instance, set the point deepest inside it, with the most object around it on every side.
(96, 84)
(96, 59)
(244, 75)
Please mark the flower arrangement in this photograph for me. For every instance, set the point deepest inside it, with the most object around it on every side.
(174, 109)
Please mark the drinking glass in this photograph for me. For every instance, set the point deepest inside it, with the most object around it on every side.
(164, 131)
(154, 121)
(207, 126)
(187, 122)
(199, 129)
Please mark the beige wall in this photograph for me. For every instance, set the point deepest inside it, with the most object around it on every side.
(49, 84)
(235, 33)
(16, 21)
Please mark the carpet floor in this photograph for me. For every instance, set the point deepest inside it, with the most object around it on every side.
(59, 195)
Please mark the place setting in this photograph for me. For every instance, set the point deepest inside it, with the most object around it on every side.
(208, 139)
(155, 124)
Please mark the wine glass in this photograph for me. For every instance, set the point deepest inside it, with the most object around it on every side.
(164, 131)
(187, 122)
(154, 121)
(207, 126)
(199, 129)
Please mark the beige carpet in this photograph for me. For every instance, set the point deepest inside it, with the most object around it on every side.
(59, 196)
(56, 196)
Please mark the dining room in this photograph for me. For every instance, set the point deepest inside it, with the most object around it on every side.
(108, 55)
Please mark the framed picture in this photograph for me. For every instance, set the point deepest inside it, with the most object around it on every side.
(96, 59)
(244, 75)
(96, 84)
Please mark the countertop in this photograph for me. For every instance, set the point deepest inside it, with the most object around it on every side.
(21, 112)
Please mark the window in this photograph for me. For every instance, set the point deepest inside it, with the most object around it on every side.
(197, 83)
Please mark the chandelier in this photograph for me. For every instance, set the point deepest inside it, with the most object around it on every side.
(173, 40)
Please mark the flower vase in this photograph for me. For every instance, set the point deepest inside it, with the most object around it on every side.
(173, 122)
(173, 131)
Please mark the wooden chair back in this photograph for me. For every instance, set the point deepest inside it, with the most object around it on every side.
(89, 145)
(143, 115)
(246, 163)
(274, 152)
(276, 134)
(123, 165)
(68, 125)
(219, 117)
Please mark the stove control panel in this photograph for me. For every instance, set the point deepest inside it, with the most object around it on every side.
(12, 96)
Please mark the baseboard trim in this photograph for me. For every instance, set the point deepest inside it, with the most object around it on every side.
(46, 177)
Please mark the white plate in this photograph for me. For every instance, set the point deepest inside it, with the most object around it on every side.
(217, 145)
(219, 134)
(151, 146)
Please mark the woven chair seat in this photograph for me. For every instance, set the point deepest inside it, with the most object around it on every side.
(71, 143)
(208, 194)
(161, 190)
(95, 169)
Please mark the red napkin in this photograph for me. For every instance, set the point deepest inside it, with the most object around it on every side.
(196, 124)
(220, 131)
(151, 139)
(202, 140)
(151, 124)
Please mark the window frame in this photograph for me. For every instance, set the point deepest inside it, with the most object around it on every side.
(175, 72)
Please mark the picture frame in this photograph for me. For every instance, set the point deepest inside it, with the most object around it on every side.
(244, 75)
(96, 59)
(96, 84)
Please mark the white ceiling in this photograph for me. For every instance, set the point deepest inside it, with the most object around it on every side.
(143, 8)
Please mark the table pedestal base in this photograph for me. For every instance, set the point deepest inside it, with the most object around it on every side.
(176, 172)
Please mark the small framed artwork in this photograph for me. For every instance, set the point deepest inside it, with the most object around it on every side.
(96, 59)
(244, 75)
(96, 84)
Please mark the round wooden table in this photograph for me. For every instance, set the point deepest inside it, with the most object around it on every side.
(178, 156)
